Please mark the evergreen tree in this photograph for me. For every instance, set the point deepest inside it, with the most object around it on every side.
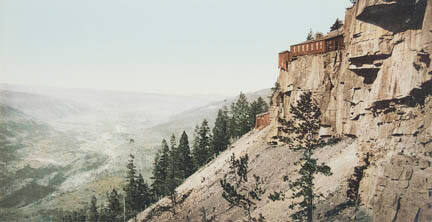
(221, 138)
(202, 150)
(173, 143)
(67, 218)
(156, 175)
(76, 216)
(160, 170)
(171, 183)
(186, 165)
(257, 107)
(303, 128)
(236, 190)
(338, 23)
(104, 214)
(240, 117)
(310, 35)
(144, 194)
(114, 211)
(175, 159)
(130, 189)
(82, 215)
(93, 212)
(195, 145)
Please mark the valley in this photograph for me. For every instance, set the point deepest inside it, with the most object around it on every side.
(61, 148)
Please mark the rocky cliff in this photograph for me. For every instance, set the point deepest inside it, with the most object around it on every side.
(378, 91)
(376, 95)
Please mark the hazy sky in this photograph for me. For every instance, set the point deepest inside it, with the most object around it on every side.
(164, 46)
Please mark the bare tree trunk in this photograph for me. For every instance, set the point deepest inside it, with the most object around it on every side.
(310, 210)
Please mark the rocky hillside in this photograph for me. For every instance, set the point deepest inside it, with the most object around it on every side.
(376, 95)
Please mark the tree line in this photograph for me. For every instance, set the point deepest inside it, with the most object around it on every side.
(173, 163)
(137, 196)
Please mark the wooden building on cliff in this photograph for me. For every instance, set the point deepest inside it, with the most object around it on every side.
(321, 44)
(262, 120)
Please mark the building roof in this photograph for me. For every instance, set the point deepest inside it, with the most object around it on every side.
(330, 35)
(263, 114)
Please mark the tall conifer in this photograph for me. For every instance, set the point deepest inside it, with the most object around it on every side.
(93, 212)
(240, 117)
(131, 197)
(303, 129)
(114, 206)
(202, 142)
(221, 138)
(186, 165)
(160, 170)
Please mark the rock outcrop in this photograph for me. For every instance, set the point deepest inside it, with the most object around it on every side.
(376, 95)
(378, 91)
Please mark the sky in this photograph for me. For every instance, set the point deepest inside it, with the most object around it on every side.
(161, 46)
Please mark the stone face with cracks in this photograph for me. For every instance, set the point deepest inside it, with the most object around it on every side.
(379, 91)
(376, 92)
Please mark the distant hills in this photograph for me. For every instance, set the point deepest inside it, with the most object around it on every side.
(59, 147)
(189, 119)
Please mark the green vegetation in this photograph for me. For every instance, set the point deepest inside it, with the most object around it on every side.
(137, 197)
(137, 191)
(238, 192)
(202, 151)
(309, 35)
(303, 129)
(338, 23)
(185, 161)
(221, 138)
(173, 163)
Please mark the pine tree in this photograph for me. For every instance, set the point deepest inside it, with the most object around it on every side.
(310, 35)
(175, 159)
(257, 107)
(173, 142)
(171, 183)
(114, 206)
(303, 128)
(130, 189)
(240, 117)
(93, 212)
(202, 150)
(76, 216)
(160, 170)
(236, 189)
(104, 214)
(338, 23)
(156, 175)
(195, 145)
(144, 194)
(221, 138)
(186, 166)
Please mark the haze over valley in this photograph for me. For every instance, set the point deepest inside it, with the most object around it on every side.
(62, 145)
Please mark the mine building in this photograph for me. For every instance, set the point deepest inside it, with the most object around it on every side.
(321, 44)
(262, 120)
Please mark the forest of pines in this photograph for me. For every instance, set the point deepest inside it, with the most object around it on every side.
(172, 164)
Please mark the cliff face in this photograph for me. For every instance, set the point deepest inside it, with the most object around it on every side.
(376, 94)
(377, 91)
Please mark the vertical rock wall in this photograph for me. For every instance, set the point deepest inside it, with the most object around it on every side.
(378, 90)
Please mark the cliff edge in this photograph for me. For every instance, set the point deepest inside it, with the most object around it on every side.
(375, 94)
(378, 92)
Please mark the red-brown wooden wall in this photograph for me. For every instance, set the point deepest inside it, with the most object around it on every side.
(262, 120)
